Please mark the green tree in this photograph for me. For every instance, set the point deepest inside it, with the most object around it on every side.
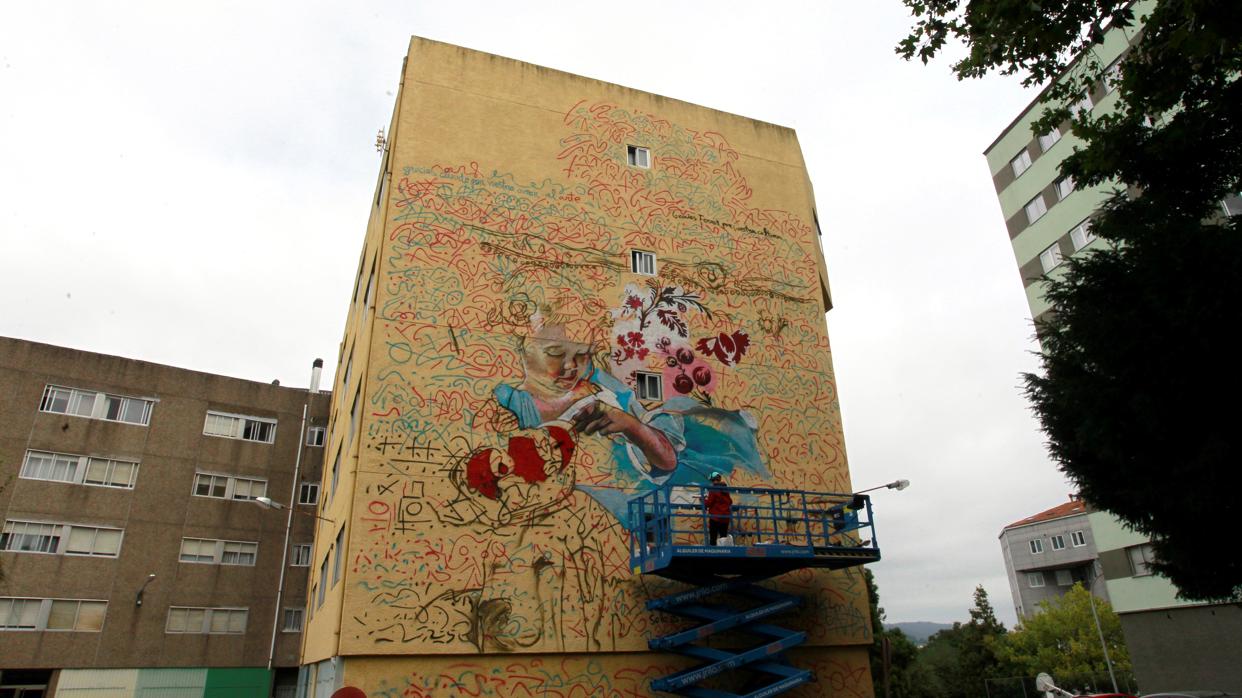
(955, 662)
(1138, 348)
(1062, 640)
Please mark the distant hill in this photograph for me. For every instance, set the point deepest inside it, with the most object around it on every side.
(919, 631)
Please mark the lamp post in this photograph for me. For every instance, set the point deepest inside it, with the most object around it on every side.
(898, 485)
(138, 596)
(1099, 630)
(269, 504)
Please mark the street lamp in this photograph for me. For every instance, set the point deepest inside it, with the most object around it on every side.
(138, 597)
(1100, 631)
(898, 485)
(269, 504)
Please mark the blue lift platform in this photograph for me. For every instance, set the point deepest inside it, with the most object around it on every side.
(774, 532)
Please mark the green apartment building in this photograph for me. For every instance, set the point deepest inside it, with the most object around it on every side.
(1174, 644)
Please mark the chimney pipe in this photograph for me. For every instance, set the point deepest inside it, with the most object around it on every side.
(316, 370)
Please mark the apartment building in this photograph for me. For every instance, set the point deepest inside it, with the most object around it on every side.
(1047, 553)
(136, 554)
(569, 293)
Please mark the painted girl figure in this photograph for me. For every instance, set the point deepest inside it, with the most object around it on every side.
(562, 389)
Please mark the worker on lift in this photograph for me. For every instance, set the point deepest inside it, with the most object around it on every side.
(719, 507)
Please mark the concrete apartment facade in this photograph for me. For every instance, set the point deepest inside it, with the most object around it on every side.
(1173, 645)
(114, 470)
(1046, 553)
(536, 235)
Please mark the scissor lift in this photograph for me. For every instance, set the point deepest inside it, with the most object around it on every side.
(774, 532)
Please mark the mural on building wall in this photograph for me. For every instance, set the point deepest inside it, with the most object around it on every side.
(505, 429)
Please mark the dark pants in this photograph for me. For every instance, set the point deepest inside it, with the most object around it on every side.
(717, 528)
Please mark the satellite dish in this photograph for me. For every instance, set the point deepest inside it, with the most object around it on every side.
(1044, 683)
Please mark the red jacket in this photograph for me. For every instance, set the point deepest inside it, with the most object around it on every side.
(719, 504)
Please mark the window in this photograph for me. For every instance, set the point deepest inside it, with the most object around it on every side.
(1065, 186)
(1232, 205)
(649, 385)
(239, 553)
(235, 426)
(323, 580)
(1050, 258)
(1049, 139)
(643, 262)
(291, 620)
(87, 540)
(1141, 557)
(1084, 104)
(198, 550)
(1064, 578)
(31, 537)
(1036, 209)
(1035, 579)
(1021, 163)
(1078, 539)
(638, 156)
(337, 560)
(1037, 546)
(1081, 235)
(228, 487)
(1112, 75)
(75, 469)
(336, 470)
(1058, 542)
(218, 552)
(75, 615)
(353, 417)
(216, 621)
(301, 555)
(60, 539)
(314, 436)
(93, 405)
(308, 493)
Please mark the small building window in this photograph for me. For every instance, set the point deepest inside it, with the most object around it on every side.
(1021, 163)
(1065, 186)
(1081, 235)
(236, 426)
(215, 621)
(637, 156)
(79, 470)
(1078, 539)
(93, 405)
(218, 552)
(1064, 578)
(291, 620)
(1058, 542)
(315, 435)
(301, 555)
(228, 487)
(1141, 557)
(338, 560)
(649, 386)
(1035, 579)
(1084, 104)
(1036, 209)
(308, 493)
(643, 262)
(1050, 258)
(1049, 139)
(1037, 546)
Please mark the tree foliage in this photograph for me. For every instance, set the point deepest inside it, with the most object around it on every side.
(1137, 355)
(1062, 640)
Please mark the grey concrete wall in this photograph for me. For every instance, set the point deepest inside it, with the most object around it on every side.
(155, 514)
(1179, 649)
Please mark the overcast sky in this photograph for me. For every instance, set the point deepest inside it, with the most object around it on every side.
(189, 183)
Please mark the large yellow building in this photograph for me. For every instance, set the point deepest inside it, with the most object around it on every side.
(570, 292)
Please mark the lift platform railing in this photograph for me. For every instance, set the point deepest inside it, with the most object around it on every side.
(673, 520)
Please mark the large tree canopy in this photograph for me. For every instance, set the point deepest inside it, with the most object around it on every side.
(1138, 381)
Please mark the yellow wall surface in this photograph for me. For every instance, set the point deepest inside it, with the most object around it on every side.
(839, 672)
(500, 432)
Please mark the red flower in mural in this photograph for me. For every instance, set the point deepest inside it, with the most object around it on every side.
(631, 344)
(634, 302)
(727, 348)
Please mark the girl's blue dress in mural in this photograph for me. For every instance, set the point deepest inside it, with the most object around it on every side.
(707, 439)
